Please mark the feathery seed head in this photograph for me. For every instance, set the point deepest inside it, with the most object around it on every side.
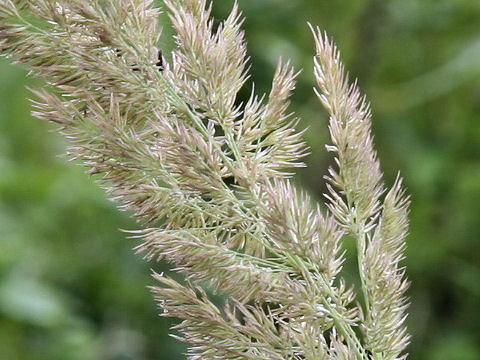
(208, 177)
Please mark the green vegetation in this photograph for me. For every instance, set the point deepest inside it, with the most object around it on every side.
(70, 287)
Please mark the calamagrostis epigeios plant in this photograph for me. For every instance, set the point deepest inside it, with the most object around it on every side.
(208, 177)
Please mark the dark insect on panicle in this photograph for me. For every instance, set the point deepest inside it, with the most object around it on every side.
(158, 64)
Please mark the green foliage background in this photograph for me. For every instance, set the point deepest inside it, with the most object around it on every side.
(70, 286)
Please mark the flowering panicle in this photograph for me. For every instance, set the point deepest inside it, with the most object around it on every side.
(209, 178)
(355, 195)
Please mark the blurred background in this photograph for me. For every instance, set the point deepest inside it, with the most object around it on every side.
(71, 287)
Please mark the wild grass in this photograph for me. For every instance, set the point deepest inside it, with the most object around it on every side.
(209, 178)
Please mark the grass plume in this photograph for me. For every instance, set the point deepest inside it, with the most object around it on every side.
(209, 179)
